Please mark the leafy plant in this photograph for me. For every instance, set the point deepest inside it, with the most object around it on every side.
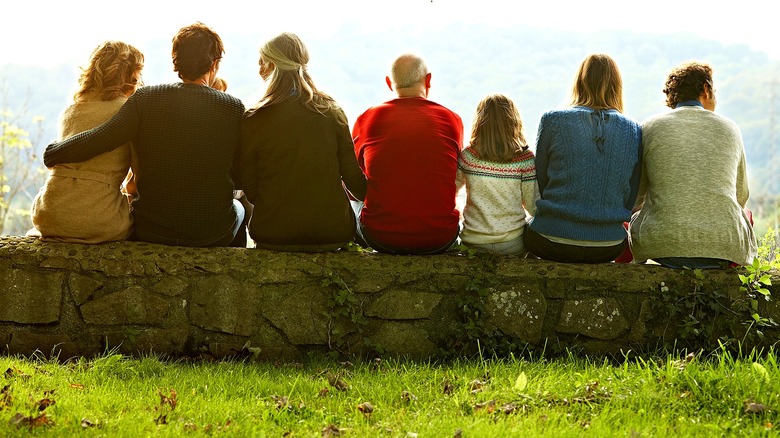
(754, 284)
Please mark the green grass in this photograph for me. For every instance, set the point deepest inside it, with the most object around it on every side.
(570, 396)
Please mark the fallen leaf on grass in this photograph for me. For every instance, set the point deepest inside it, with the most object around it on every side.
(521, 382)
(21, 420)
(476, 385)
(331, 430)
(76, 386)
(337, 382)
(14, 372)
(754, 408)
(458, 433)
(44, 403)
(447, 387)
(377, 364)
(6, 399)
(167, 405)
(366, 408)
(323, 392)
(488, 406)
(281, 401)
(508, 408)
(408, 397)
(87, 423)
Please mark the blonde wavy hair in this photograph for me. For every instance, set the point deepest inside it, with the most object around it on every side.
(598, 84)
(497, 131)
(290, 77)
(110, 71)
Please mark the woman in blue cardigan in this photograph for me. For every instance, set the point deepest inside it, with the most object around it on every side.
(588, 168)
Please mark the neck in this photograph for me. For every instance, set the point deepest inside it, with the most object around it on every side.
(203, 80)
(412, 92)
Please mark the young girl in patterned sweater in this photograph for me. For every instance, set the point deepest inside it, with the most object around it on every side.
(499, 173)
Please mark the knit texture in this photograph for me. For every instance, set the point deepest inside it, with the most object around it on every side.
(694, 188)
(588, 169)
(186, 137)
(82, 202)
(408, 149)
(497, 196)
(293, 163)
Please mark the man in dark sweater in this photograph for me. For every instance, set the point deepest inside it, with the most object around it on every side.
(185, 139)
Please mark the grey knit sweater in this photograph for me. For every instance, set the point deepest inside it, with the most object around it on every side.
(186, 137)
(693, 190)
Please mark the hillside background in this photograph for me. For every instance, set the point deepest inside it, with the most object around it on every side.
(535, 67)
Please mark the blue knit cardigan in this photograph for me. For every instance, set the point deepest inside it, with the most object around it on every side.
(588, 165)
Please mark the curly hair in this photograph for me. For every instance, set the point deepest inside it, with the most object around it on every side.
(195, 48)
(497, 132)
(110, 71)
(687, 82)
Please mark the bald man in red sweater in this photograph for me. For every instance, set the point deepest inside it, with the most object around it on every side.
(408, 148)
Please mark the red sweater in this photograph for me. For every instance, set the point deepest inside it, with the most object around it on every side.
(408, 148)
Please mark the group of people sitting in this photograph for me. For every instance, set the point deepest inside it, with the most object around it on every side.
(187, 164)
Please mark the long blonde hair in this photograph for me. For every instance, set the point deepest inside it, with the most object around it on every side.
(598, 84)
(290, 77)
(497, 130)
(110, 71)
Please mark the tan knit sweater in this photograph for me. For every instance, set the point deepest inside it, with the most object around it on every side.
(82, 202)
(694, 187)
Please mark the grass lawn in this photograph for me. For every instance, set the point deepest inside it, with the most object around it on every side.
(115, 396)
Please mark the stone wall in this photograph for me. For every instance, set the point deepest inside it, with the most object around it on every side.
(68, 299)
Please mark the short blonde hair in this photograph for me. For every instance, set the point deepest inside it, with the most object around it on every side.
(110, 71)
(598, 84)
(497, 131)
(290, 76)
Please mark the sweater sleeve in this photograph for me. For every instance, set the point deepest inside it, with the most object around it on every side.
(530, 195)
(542, 155)
(119, 130)
(351, 173)
(248, 161)
(743, 192)
(636, 175)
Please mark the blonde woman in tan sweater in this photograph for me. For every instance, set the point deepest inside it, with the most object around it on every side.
(83, 202)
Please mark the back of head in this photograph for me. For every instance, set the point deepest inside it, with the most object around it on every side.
(598, 84)
(687, 82)
(110, 72)
(408, 71)
(290, 76)
(497, 130)
(195, 48)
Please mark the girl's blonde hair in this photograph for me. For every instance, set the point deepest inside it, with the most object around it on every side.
(290, 77)
(497, 131)
(110, 71)
(598, 84)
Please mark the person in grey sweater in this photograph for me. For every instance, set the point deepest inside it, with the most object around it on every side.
(694, 186)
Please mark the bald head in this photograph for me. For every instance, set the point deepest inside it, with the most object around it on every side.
(408, 71)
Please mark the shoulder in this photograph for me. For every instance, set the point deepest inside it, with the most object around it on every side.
(442, 109)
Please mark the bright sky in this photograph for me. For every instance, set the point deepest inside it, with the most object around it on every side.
(47, 32)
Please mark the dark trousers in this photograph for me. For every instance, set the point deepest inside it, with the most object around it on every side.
(546, 249)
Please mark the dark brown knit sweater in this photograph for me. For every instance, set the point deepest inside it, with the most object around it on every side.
(186, 137)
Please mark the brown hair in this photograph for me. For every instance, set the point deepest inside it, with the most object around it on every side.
(687, 82)
(195, 48)
(110, 71)
(497, 131)
(598, 84)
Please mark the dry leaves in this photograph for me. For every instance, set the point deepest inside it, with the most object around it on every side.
(366, 408)
(167, 405)
(754, 408)
(337, 382)
(331, 430)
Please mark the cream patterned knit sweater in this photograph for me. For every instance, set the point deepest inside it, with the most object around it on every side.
(694, 187)
(499, 196)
